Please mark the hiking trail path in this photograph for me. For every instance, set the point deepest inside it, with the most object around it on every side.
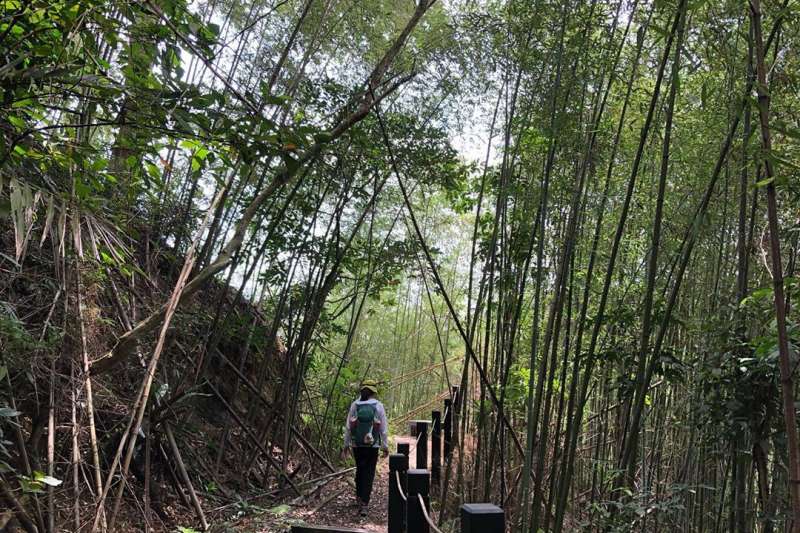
(335, 504)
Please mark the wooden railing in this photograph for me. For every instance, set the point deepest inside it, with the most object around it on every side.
(409, 489)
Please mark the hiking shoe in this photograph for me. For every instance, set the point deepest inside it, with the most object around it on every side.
(364, 510)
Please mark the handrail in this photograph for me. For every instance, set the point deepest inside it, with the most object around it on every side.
(399, 485)
(413, 447)
(425, 514)
(402, 502)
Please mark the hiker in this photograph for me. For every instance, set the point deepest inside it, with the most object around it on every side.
(366, 432)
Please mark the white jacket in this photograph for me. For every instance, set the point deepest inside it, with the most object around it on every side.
(380, 415)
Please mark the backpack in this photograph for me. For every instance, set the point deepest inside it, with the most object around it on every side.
(361, 426)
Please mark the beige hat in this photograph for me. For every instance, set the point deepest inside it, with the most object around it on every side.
(370, 385)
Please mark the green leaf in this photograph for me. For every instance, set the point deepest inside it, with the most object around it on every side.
(764, 182)
(30, 485)
(189, 144)
(762, 292)
(83, 190)
(152, 170)
(16, 121)
(107, 259)
(280, 510)
(99, 164)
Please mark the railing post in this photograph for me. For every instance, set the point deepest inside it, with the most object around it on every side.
(398, 467)
(482, 518)
(404, 448)
(436, 446)
(447, 427)
(456, 404)
(418, 485)
(422, 445)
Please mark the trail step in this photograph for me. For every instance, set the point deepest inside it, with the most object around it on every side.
(325, 529)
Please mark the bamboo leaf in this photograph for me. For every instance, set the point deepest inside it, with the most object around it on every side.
(48, 220)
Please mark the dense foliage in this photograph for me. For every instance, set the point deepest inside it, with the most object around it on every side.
(218, 218)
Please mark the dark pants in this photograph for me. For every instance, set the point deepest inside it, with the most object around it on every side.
(366, 460)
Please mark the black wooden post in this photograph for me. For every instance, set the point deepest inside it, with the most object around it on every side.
(456, 404)
(447, 427)
(482, 518)
(404, 448)
(398, 468)
(422, 445)
(418, 485)
(436, 446)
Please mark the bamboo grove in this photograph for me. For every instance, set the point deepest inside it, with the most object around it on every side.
(218, 217)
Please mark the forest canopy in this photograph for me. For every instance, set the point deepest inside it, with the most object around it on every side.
(218, 219)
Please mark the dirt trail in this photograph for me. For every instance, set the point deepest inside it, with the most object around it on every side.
(342, 510)
(335, 505)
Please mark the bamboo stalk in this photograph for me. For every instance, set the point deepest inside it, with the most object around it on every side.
(51, 448)
(76, 457)
(87, 382)
(198, 508)
(786, 365)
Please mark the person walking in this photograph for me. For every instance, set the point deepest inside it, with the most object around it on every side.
(366, 433)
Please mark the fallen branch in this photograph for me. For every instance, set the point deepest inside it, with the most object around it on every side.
(328, 500)
(409, 414)
(254, 438)
(259, 395)
(185, 475)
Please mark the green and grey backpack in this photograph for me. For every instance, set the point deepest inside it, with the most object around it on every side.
(361, 426)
